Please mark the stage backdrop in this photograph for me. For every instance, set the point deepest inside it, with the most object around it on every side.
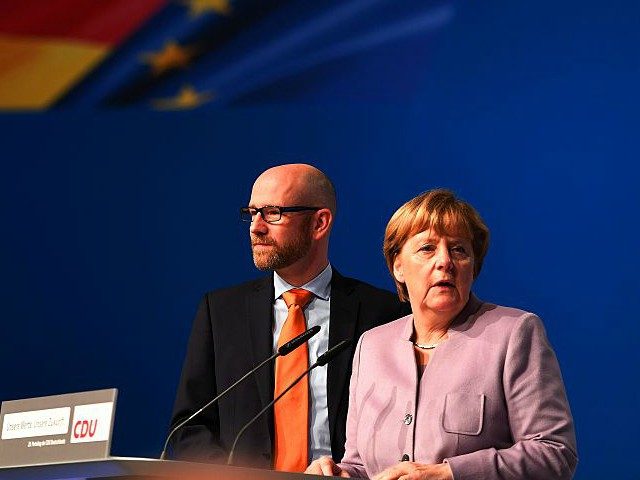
(117, 217)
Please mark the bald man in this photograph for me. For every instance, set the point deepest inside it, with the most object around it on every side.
(290, 216)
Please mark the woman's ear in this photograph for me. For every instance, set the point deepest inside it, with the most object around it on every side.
(397, 269)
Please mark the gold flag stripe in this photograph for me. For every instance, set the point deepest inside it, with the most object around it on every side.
(37, 71)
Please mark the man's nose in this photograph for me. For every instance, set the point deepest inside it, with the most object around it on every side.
(258, 225)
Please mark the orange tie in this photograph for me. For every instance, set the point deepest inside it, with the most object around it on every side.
(291, 412)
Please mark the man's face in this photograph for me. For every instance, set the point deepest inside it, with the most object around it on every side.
(278, 245)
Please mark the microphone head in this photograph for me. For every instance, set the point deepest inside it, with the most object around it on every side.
(327, 356)
(294, 343)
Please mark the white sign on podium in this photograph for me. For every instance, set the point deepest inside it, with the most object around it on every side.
(57, 429)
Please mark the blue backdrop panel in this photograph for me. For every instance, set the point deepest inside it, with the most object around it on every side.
(114, 223)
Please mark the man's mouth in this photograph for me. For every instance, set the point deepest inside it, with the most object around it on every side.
(263, 242)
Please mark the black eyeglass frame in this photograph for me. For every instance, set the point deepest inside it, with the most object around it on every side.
(252, 212)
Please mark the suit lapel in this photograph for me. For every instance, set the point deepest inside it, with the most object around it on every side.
(259, 322)
(342, 325)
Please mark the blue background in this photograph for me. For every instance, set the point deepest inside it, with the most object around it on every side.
(114, 222)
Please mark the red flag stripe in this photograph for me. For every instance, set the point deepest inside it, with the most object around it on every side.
(102, 21)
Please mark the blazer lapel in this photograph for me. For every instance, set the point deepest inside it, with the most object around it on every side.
(259, 322)
(342, 325)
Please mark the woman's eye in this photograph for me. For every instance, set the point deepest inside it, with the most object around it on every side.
(459, 250)
(427, 248)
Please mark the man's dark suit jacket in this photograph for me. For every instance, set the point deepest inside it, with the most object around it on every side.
(232, 332)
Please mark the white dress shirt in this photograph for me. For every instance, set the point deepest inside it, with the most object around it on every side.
(316, 313)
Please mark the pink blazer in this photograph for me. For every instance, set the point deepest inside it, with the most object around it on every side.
(491, 401)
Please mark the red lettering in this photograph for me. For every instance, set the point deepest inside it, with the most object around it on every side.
(84, 428)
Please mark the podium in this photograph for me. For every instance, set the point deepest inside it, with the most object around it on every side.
(68, 437)
(124, 468)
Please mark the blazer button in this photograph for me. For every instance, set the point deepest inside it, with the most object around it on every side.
(408, 418)
(405, 458)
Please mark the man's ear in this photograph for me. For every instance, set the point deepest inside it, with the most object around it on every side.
(322, 222)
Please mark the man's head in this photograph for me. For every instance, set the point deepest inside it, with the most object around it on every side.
(297, 244)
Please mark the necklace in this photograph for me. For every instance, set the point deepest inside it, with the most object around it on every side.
(428, 346)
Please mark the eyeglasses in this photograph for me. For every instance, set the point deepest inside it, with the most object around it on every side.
(271, 213)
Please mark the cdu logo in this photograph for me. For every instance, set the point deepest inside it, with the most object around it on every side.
(85, 428)
(91, 423)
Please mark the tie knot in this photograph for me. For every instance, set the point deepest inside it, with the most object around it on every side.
(297, 296)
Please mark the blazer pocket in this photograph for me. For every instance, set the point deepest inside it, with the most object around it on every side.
(463, 413)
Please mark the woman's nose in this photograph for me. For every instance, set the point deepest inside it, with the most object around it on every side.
(443, 259)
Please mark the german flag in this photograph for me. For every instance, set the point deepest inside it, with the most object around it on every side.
(48, 46)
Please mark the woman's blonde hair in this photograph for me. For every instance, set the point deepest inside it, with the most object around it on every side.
(443, 212)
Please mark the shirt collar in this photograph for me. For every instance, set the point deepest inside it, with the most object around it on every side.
(319, 286)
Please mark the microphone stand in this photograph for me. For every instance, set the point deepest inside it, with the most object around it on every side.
(283, 350)
(323, 359)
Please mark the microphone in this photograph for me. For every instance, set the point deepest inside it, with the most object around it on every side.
(322, 360)
(294, 343)
(327, 356)
(285, 349)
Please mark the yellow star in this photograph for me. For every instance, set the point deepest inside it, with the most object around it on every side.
(187, 98)
(198, 7)
(172, 56)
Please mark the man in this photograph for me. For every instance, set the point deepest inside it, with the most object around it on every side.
(291, 212)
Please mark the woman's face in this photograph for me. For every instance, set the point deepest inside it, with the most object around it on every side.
(437, 271)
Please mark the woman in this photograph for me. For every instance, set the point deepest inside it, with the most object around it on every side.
(460, 389)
